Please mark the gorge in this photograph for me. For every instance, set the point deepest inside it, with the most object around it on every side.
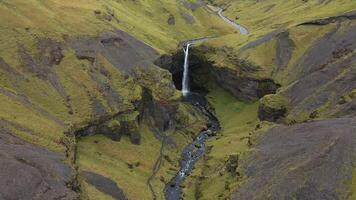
(172, 99)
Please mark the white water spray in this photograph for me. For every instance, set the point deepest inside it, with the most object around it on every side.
(185, 82)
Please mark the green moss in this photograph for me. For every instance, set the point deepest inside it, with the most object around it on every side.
(113, 124)
(353, 186)
(159, 82)
(237, 120)
(128, 117)
(274, 101)
(89, 192)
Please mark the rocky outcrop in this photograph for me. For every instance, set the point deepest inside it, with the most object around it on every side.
(114, 127)
(171, 20)
(160, 115)
(31, 172)
(239, 81)
(104, 184)
(272, 108)
(312, 160)
(333, 19)
(284, 50)
(232, 164)
(244, 88)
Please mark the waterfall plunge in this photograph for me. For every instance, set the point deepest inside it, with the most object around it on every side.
(185, 82)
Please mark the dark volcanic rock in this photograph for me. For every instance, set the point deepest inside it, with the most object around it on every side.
(123, 124)
(305, 161)
(188, 18)
(350, 16)
(237, 81)
(104, 185)
(272, 108)
(30, 172)
(243, 87)
(171, 20)
(42, 65)
(284, 50)
(161, 115)
(232, 164)
(193, 5)
(121, 49)
(324, 73)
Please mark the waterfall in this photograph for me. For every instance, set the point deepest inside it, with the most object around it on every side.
(185, 82)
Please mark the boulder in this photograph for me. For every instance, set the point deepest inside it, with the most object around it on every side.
(272, 108)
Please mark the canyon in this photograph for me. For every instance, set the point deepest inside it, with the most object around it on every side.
(177, 99)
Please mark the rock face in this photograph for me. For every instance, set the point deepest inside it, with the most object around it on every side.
(236, 81)
(30, 172)
(121, 49)
(272, 108)
(104, 185)
(327, 66)
(171, 20)
(333, 19)
(243, 87)
(232, 164)
(305, 161)
(124, 124)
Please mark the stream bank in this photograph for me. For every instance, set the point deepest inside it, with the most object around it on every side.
(194, 151)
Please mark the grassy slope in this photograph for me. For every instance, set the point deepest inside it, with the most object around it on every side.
(238, 120)
(264, 17)
(112, 159)
(23, 22)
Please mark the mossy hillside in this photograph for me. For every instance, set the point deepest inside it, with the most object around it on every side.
(264, 56)
(146, 20)
(238, 120)
(112, 159)
(303, 37)
(274, 101)
(130, 166)
(265, 18)
(228, 49)
(85, 84)
(24, 23)
(353, 186)
(159, 82)
(269, 15)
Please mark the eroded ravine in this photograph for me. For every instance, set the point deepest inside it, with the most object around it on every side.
(194, 151)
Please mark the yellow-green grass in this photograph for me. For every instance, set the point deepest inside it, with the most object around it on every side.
(280, 15)
(89, 192)
(145, 19)
(45, 131)
(303, 38)
(353, 186)
(237, 120)
(101, 155)
(24, 22)
(273, 14)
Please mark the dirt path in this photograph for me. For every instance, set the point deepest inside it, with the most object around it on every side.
(156, 168)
